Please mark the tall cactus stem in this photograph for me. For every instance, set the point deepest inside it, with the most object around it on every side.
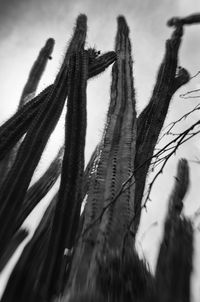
(67, 213)
(151, 120)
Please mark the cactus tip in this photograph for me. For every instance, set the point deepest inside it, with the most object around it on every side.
(173, 21)
(183, 176)
(81, 20)
(122, 24)
(50, 41)
(49, 46)
(183, 165)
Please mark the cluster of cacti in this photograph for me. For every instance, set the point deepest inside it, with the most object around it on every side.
(91, 257)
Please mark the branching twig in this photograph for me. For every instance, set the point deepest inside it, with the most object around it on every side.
(185, 95)
(172, 124)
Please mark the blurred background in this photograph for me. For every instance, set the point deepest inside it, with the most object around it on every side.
(24, 27)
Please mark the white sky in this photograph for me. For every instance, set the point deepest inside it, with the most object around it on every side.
(24, 27)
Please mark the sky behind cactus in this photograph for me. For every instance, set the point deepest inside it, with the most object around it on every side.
(24, 27)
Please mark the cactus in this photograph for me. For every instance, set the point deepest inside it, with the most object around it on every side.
(68, 207)
(27, 94)
(40, 188)
(125, 278)
(117, 146)
(151, 119)
(174, 263)
(74, 257)
(36, 72)
(24, 277)
(19, 236)
(191, 19)
(14, 128)
(33, 145)
(27, 202)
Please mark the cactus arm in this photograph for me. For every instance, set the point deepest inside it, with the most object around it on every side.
(13, 245)
(30, 90)
(14, 128)
(27, 94)
(174, 262)
(37, 71)
(37, 191)
(191, 19)
(151, 120)
(101, 63)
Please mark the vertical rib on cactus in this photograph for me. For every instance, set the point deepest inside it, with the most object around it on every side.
(23, 280)
(15, 186)
(13, 245)
(151, 120)
(40, 188)
(68, 207)
(114, 165)
(174, 263)
(37, 71)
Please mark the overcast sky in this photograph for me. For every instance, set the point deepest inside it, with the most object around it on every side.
(25, 26)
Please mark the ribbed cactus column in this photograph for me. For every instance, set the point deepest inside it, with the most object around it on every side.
(151, 120)
(174, 263)
(67, 212)
(113, 166)
(120, 137)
